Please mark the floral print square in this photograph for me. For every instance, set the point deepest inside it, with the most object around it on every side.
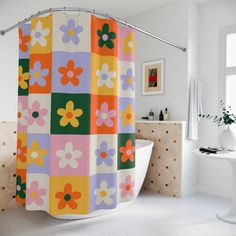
(72, 32)
(103, 154)
(69, 155)
(126, 151)
(23, 77)
(70, 113)
(126, 44)
(104, 74)
(41, 35)
(126, 185)
(126, 77)
(38, 153)
(103, 193)
(71, 72)
(126, 115)
(40, 73)
(39, 111)
(24, 32)
(104, 39)
(37, 192)
(69, 195)
(21, 150)
(22, 114)
(20, 185)
(103, 114)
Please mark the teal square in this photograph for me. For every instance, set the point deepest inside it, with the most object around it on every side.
(24, 69)
(126, 151)
(67, 118)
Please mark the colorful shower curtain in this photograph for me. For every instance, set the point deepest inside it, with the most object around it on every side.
(76, 114)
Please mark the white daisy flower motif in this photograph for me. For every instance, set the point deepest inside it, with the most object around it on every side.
(103, 194)
(22, 115)
(68, 156)
(105, 77)
(38, 35)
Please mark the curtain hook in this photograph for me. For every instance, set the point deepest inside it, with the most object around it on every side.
(64, 10)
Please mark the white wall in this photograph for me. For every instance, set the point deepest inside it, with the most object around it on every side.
(171, 22)
(214, 176)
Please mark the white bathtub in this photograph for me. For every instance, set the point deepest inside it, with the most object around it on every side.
(142, 158)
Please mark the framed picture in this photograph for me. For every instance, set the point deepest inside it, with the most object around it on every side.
(153, 77)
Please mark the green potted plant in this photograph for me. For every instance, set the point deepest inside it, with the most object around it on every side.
(227, 138)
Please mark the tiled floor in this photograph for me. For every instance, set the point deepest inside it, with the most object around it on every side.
(150, 215)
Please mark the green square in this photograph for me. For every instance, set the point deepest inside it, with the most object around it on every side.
(60, 101)
(123, 141)
(24, 63)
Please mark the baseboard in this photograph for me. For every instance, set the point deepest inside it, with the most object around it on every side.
(215, 190)
(188, 192)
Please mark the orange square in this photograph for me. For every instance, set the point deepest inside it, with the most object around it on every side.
(40, 73)
(103, 114)
(104, 36)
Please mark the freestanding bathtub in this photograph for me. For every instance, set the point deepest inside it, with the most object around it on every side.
(142, 158)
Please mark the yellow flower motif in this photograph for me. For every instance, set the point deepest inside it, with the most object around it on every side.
(22, 77)
(127, 116)
(35, 154)
(128, 44)
(69, 115)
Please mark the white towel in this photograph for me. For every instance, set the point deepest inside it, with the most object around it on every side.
(195, 107)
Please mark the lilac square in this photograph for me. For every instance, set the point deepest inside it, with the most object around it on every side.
(38, 146)
(70, 81)
(123, 104)
(26, 31)
(95, 186)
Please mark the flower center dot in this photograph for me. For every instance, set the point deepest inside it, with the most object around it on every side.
(104, 116)
(67, 197)
(19, 78)
(130, 44)
(104, 76)
(18, 151)
(69, 115)
(103, 154)
(129, 80)
(33, 194)
(34, 154)
(38, 34)
(70, 74)
(71, 32)
(128, 152)
(105, 37)
(35, 114)
(19, 114)
(68, 156)
(36, 74)
(103, 193)
(18, 188)
(127, 187)
(129, 116)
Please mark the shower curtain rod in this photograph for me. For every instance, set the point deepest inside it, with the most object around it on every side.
(3, 32)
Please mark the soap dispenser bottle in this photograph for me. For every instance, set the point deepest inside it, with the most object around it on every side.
(166, 115)
(161, 116)
(151, 115)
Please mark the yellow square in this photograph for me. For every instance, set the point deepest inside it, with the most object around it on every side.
(69, 195)
(21, 154)
(41, 35)
(104, 75)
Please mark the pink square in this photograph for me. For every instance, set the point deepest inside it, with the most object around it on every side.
(22, 114)
(70, 155)
(126, 44)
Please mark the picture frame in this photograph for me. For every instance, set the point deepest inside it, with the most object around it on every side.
(153, 73)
